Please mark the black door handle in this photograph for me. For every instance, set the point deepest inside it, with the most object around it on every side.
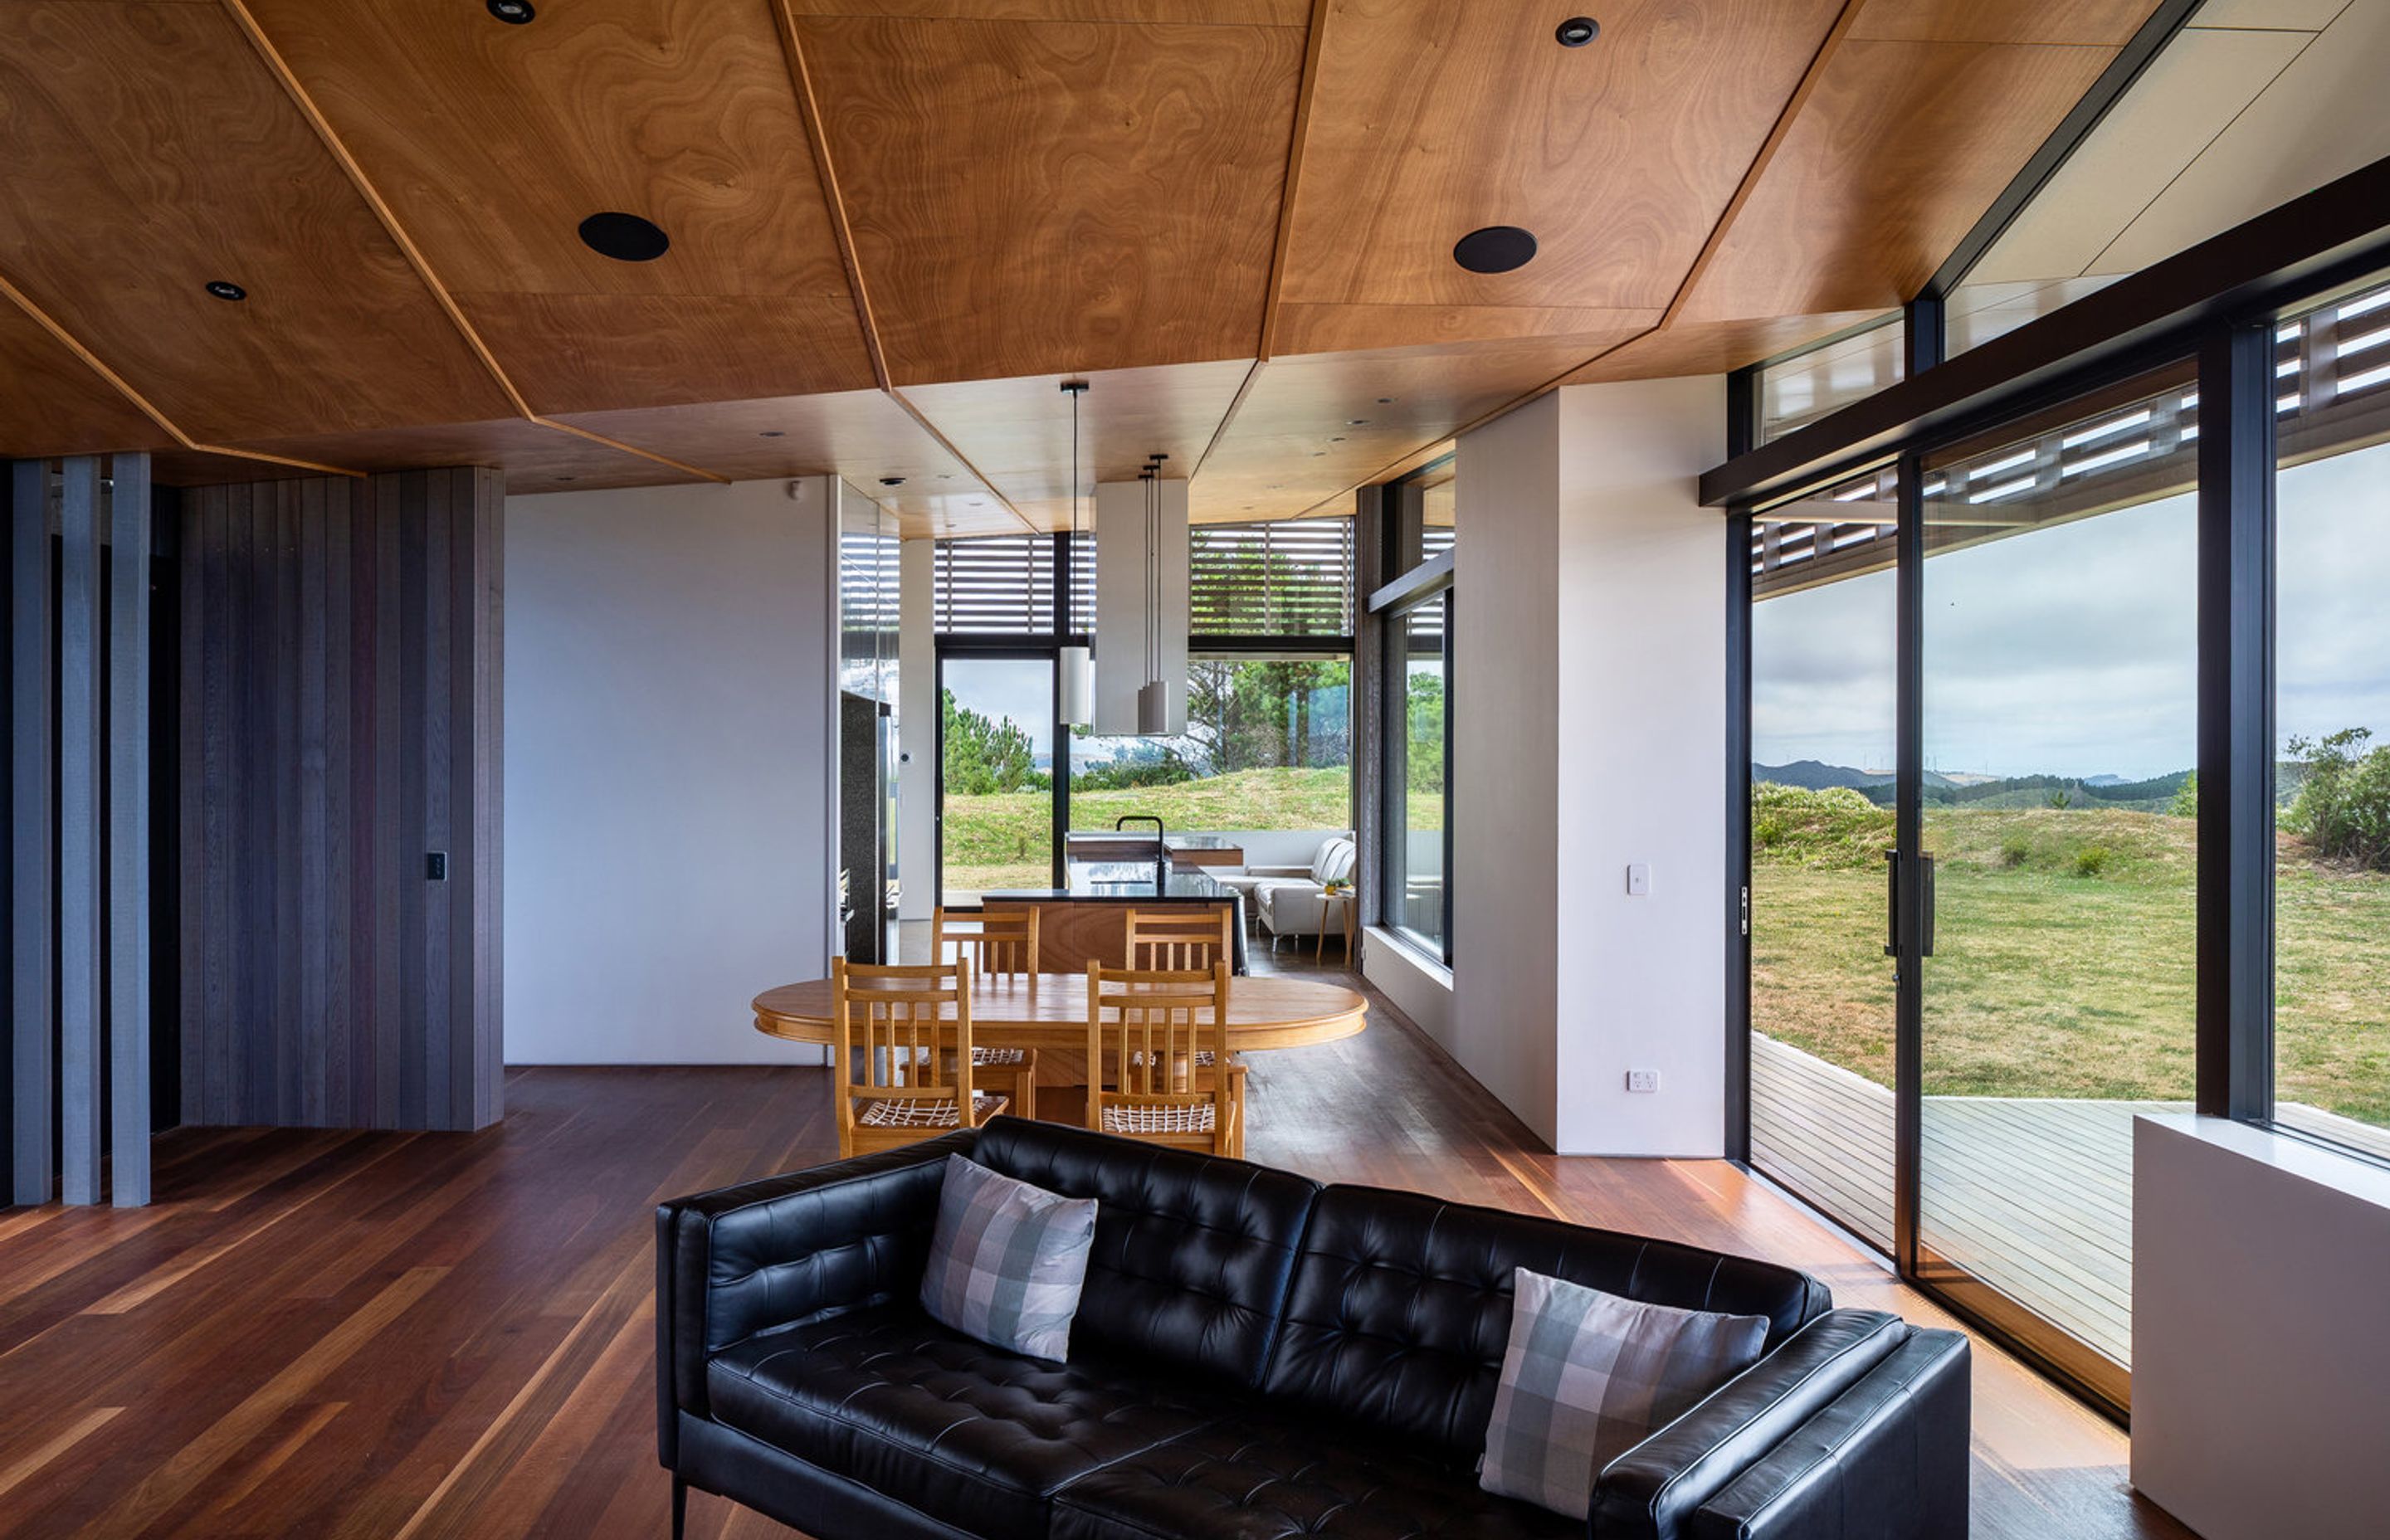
(1891, 903)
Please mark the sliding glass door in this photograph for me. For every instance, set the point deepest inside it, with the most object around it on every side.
(1822, 738)
(995, 774)
(2060, 846)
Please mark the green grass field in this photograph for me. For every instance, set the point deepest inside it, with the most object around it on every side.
(2063, 960)
(1007, 841)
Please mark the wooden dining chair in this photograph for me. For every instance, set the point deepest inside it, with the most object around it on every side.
(903, 1045)
(1158, 1065)
(996, 942)
(1178, 940)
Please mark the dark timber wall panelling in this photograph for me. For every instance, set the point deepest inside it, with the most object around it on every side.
(340, 722)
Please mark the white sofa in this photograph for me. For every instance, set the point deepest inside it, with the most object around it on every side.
(1288, 901)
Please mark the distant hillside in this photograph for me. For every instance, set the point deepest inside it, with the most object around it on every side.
(1811, 774)
(1816, 776)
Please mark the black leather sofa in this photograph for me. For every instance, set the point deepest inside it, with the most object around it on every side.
(1255, 1357)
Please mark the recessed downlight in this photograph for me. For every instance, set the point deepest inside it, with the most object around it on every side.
(1496, 249)
(772, 433)
(1575, 33)
(625, 237)
(225, 290)
(514, 13)
(892, 480)
(1357, 422)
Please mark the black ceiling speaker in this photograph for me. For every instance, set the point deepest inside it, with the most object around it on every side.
(223, 291)
(625, 237)
(1575, 33)
(1496, 249)
(892, 480)
(514, 13)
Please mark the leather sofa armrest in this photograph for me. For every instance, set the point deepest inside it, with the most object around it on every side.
(742, 1260)
(1651, 1491)
(1887, 1459)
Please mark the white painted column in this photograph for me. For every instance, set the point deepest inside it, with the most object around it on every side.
(917, 731)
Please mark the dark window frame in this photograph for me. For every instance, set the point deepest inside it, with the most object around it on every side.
(1413, 580)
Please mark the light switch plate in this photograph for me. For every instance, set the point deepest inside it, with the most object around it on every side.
(1643, 1080)
(1639, 880)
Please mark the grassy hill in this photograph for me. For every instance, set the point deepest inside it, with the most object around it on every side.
(2064, 955)
(1004, 842)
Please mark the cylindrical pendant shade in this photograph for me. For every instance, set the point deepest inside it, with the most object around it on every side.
(1153, 708)
(1078, 686)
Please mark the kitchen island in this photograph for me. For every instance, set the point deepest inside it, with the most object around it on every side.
(1087, 919)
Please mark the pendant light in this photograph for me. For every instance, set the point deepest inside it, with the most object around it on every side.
(1153, 696)
(1078, 665)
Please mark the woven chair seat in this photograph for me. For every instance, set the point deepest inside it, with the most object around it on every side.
(1161, 1118)
(983, 1055)
(1203, 1058)
(921, 1112)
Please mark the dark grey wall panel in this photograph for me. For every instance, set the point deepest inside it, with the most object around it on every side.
(128, 831)
(340, 721)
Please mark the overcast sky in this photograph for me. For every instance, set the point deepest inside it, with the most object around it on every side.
(2072, 650)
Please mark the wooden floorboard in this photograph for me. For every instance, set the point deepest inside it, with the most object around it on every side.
(418, 1335)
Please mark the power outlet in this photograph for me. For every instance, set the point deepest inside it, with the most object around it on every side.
(1643, 1080)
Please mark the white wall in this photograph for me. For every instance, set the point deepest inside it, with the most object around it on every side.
(1507, 867)
(1642, 767)
(2261, 1352)
(917, 731)
(1588, 726)
(670, 735)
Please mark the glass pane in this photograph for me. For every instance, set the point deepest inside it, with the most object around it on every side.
(2331, 709)
(995, 741)
(1267, 747)
(1416, 777)
(2061, 700)
(1809, 386)
(1822, 744)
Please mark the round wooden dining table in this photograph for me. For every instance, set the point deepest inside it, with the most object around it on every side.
(1049, 1010)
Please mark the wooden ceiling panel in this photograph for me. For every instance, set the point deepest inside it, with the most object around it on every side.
(1430, 120)
(1899, 149)
(862, 435)
(582, 353)
(150, 151)
(1312, 428)
(1017, 432)
(492, 143)
(1339, 328)
(1239, 13)
(1033, 198)
(52, 403)
(1717, 347)
(534, 458)
(2109, 23)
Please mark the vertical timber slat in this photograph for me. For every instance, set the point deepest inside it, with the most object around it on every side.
(80, 921)
(32, 732)
(128, 829)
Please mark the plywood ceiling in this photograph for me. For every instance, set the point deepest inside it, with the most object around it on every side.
(897, 225)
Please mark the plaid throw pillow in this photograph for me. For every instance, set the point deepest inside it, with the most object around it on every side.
(1006, 1260)
(1590, 1376)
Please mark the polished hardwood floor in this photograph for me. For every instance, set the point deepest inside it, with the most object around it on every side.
(372, 1335)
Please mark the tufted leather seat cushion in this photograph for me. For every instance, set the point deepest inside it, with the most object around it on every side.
(1261, 1477)
(1400, 1309)
(1192, 1253)
(973, 1435)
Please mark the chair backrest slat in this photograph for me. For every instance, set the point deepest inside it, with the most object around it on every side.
(1146, 1028)
(903, 1031)
(1180, 940)
(995, 941)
